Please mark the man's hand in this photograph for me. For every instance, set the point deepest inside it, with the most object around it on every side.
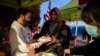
(31, 52)
(40, 42)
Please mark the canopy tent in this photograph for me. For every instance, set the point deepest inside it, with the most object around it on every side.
(70, 10)
(71, 4)
(20, 3)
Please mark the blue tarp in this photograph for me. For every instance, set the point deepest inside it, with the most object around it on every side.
(80, 30)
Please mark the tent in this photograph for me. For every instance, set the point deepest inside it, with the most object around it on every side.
(20, 3)
(70, 10)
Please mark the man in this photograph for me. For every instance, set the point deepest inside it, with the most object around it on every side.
(91, 15)
(20, 35)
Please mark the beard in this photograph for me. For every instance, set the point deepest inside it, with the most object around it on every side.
(26, 23)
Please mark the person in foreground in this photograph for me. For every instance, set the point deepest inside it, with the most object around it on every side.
(20, 35)
(91, 15)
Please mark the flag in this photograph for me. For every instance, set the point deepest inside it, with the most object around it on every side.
(47, 16)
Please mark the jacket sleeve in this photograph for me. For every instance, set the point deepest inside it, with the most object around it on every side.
(90, 49)
(44, 28)
(65, 34)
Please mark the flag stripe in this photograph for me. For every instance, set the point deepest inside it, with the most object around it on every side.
(47, 16)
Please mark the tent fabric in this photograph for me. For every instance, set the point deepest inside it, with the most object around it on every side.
(73, 3)
(71, 9)
(69, 14)
(20, 3)
(68, 9)
(80, 26)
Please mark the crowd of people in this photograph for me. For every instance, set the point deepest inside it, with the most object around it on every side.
(55, 36)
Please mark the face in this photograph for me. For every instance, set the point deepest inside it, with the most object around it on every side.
(54, 16)
(36, 24)
(27, 17)
(89, 19)
(94, 22)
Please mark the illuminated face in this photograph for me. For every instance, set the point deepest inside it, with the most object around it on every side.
(96, 23)
(88, 18)
(54, 15)
(92, 21)
(27, 17)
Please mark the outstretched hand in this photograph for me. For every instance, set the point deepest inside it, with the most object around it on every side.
(44, 39)
(53, 40)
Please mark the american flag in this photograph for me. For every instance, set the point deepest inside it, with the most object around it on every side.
(47, 16)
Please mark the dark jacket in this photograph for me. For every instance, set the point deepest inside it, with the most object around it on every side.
(92, 49)
(60, 31)
(64, 38)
